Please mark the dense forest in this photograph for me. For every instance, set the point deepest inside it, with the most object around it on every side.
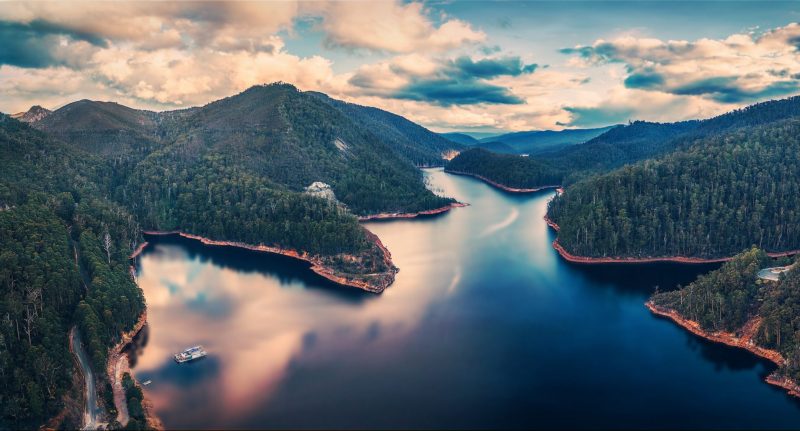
(509, 170)
(726, 299)
(721, 195)
(64, 262)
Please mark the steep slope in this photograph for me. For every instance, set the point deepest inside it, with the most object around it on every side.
(718, 196)
(407, 139)
(536, 142)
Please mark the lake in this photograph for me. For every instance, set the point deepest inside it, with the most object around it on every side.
(484, 327)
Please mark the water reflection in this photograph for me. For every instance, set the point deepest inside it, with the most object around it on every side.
(484, 327)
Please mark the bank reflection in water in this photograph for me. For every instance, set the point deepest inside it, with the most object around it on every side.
(485, 326)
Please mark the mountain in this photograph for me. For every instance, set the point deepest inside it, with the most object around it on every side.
(32, 115)
(407, 139)
(711, 199)
(105, 128)
(536, 142)
(460, 138)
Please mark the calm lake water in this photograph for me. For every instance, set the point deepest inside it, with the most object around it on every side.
(485, 327)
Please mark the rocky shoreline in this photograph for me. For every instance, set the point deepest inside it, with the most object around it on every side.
(117, 366)
(744, 340)
(502, 186)
(377, 284)
(393, 216)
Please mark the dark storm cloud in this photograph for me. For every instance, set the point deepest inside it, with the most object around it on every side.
(454, 92)
(645, 80)
(726, 89)
(589, 117)
(457, 82)
(492, 68)
(36, 44)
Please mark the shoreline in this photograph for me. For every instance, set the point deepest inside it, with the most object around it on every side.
(672, 259)
(395, 216)
(732, 340)
(116, 366)
(317, 265)
(502, 186)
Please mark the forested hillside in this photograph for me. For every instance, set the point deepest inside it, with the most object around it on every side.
(64, 262)
(728, 298)
(509, 170)
(642, 140)
(721, 195)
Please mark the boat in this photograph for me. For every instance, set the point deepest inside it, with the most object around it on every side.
(190, 354)
(147, 382)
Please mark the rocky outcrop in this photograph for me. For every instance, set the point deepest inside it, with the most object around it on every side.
(32, 115)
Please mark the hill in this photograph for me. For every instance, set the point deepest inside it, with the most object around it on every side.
(104, 128)
(717, 196)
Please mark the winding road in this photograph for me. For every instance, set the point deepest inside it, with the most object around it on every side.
(92, 412)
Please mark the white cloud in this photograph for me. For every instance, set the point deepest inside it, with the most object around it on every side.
(392, 26)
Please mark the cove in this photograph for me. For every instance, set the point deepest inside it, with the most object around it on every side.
(484, 327)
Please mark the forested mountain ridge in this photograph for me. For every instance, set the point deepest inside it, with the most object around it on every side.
(275, 131)
(733, 300)
(641, 140)
(406, 138)
(719, 195)
(542, 141)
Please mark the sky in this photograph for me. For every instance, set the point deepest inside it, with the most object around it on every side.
(451, 66)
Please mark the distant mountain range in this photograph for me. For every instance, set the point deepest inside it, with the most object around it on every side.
(531, 142)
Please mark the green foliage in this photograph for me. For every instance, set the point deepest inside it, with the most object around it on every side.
(40, 287)
(722, 299)
(55, 270)
(506, 169)
(729, 297)
(721, 195)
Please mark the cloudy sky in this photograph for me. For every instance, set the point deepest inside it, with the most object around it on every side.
(471, 66)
